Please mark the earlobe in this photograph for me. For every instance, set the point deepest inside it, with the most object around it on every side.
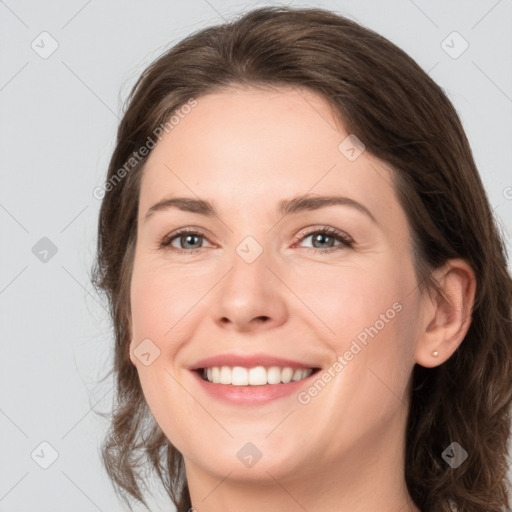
(446, 315)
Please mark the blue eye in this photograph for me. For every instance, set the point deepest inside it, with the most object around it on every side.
(324, 240)
(186, 239)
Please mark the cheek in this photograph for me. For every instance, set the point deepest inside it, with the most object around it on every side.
(368, 315)
(168, 402)
(161, 298)
(351, 298)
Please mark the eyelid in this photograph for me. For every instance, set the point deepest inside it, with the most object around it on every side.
(346, 241)
(322, 229)
(165, 242)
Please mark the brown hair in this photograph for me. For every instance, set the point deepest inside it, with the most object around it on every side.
(405, 119)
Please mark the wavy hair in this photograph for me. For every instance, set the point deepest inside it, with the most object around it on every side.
(405, 119)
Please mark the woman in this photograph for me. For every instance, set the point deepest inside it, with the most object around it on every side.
(256, 368)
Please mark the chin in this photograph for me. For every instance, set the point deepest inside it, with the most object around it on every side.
(247, 461)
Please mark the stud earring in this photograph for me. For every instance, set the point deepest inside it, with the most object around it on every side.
(435, 353)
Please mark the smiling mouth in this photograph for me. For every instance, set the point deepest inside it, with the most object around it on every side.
(256, 376)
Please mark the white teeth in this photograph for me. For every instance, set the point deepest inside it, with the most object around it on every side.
(286, 375)
(239, 376)
(274, 375)
(297, 375)
(225, 375)
(257, 376)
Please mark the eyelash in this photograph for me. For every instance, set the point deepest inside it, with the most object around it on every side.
(345, 241)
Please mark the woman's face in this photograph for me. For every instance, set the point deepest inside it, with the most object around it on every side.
(259, 283)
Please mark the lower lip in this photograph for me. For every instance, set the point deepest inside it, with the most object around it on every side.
(251, 394)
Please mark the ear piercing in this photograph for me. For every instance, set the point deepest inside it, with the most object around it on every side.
(435, 353)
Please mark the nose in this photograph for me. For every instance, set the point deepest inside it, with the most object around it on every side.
(250, 297)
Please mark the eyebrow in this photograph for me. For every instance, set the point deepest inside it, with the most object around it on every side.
(286, 207)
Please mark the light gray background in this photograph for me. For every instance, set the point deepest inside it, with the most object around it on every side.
(57, 128)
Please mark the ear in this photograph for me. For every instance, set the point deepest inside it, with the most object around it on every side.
(446, 316)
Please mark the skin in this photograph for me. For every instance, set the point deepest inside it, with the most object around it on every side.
(245, 150)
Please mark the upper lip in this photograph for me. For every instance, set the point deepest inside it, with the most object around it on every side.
(249, 361)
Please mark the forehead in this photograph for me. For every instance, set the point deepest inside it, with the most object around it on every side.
(258, 146)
